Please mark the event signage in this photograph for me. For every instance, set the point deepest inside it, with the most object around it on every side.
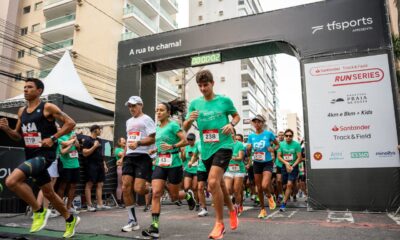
(206, 59)
(351, 114)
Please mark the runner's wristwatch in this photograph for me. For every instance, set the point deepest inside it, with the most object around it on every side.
(53, 138)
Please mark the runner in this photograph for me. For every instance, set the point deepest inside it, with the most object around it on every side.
(289, 154)
(239, 138)
(69, 175)
(233, 177)
(278, 164)
(95, 169)
(36, 125)
(136, 166)
(190, 171)
(211, 112)
(202, 176)
(169, 139)
(119, 155)
(259, 143)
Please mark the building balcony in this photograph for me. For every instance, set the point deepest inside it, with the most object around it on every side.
(128, 35)
(166, 21)
(138, 21)
(56, 8)
(59, 28)
(171, 6)
(166, 91)
(248, 74)
(55, 49)
(43, 73)
(148, 7)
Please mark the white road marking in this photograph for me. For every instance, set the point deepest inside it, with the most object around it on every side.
(395, 218)
(338, 217)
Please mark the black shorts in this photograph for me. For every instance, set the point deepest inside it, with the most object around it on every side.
(173, 175)
(260, 167)
(278, 170)
(37, 169)
(202, 176)
(95, 173)
(250, 174)
(70, 175)
(221, 159)
(292, 176)
(302, 178)
(138, 166)
(189, 175)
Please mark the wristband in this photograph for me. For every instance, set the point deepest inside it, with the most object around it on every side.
(53, 138)
(233, 125)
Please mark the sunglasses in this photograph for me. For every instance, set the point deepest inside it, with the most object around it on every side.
(288, 135)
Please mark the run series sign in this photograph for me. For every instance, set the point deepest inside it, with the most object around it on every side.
(348, 100)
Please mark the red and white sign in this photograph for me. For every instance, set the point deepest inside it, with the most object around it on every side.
(351, 111)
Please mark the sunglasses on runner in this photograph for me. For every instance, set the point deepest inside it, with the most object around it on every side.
(288, 135)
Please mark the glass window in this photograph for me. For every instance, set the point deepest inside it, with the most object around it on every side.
(30, 73)
(26, 9)
(38, 6)
(21, 53)
(18, 77)
(24, 31)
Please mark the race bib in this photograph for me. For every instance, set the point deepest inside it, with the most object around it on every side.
(210, 136)
(195, 164)
(32, 139)
(134, 136)
(234, 168)
(288, 157)
(259, 156)
(164, 159)
(74, 154)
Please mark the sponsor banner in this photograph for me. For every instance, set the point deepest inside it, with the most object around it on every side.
(351, 114)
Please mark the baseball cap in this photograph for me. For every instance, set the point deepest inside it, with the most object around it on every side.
(258, 117)
(191, 136)
(134, 100)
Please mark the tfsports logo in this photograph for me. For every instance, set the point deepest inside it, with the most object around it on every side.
(351, 24)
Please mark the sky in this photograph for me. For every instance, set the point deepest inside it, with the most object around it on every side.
(288, 67)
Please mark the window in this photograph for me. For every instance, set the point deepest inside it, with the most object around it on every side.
(200, 3)
(200, 18)
(38, 6)
(36, 27)
(30, 73)
(32, 50)
(221, 13)
(26, 9)
(21, 53)
(18, 77)
(222, 79)
(24, 31)
(241, 2)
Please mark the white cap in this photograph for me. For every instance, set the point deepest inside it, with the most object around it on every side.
(134, 100)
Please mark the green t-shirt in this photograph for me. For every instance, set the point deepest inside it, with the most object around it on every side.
(234, 165)
(301, 168)
(289, 151)
(168, 134)
(200, 167)
(213, 116)
(189, 151)
(117, 151)
(277, 162)
(70, 159)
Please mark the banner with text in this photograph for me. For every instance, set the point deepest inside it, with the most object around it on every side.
(351, 114)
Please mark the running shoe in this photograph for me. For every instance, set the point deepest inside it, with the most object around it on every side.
(131, 226)
(146, 208)
(54, 213)
(217, 232)
(91, 209)
(191, 201)
(73, 211)
(234, 220)
(178, 203)
(102, 207)
(263, 214)
(70, 228)
(152, 231)
(39, 220)
(283, 207)
(203, 212)
(271, 203)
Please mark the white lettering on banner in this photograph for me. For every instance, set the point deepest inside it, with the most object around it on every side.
(4, 172)
(155, 48)
(351, 108)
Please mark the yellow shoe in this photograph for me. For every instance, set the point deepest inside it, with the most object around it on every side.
(39, 220)
(271, 203)
(263, 214)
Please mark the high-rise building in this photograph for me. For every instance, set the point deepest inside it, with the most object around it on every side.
(292, 121)
(250, 82)
(91, 30)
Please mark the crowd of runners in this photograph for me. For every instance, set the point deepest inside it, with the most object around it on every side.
(203, 155)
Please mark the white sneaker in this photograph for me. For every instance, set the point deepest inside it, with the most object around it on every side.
(202, 213)
(91, 209)
(131, 226)
(54, 213)
(102, 207)
(73, 211)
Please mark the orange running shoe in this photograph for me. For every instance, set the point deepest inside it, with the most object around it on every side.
(217, 232)
(271, 203)
(234, 220)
